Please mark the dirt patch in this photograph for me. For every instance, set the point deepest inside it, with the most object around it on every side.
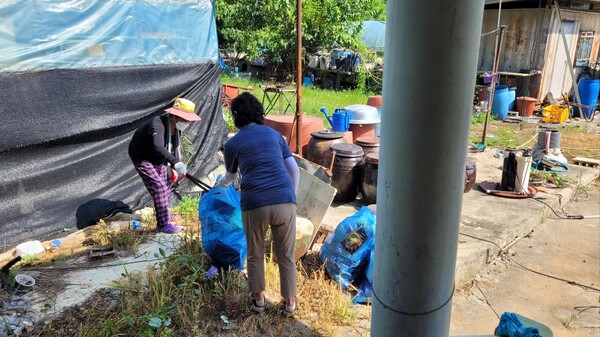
(103, 303)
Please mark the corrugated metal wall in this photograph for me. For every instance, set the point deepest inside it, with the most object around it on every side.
(520, 50)
(531, 39)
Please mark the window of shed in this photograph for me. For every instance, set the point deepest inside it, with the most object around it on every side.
(584, 49)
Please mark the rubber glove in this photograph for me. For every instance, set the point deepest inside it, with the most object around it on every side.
(174, 176)
(227, 179)
(180, 168)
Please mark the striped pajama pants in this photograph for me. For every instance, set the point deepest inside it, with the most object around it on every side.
(156, 181)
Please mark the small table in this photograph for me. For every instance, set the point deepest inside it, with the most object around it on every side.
(273, 94)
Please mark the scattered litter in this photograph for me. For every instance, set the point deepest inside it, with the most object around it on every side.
(118, 225)
(211, 272)
(98, 252)
(55, 243)
(29, 248)
(66, 229)
(135, 224)
(225, 319)
(23, 283)
(14, 325)
(491, 136)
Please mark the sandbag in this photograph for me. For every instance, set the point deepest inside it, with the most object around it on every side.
(346, 251)
(220, 215)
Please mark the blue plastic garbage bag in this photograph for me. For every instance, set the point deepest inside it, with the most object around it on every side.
(511, 326)
(220, 215)
(345, 253)
(365, 290)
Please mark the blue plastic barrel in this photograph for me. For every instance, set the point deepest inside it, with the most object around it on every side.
(588, 91)
(501, 99)
(307, 81)
(512, 96)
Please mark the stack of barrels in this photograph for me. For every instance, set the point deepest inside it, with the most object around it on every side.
(353, 166)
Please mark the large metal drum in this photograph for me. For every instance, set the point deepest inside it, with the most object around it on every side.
(347, 168)
(319, 145)
(368, 181)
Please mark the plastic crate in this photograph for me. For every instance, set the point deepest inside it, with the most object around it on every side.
(555, 114)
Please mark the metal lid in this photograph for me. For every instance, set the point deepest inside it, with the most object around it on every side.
(373, 158)
(367, 141)
(348, 150)
(327, 134)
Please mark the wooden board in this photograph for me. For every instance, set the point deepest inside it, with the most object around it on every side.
(581, 161)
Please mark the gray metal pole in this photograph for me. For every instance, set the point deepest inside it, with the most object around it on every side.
(431, 52)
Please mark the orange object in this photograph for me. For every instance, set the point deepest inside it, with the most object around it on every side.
(229, 92)
(375, 101)
(286, 126)
(360, 130)
(525, 106)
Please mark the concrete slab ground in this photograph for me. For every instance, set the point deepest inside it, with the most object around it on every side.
(490, 222)
(551, 276)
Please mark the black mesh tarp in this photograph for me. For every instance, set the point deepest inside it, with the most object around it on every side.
(64, 139)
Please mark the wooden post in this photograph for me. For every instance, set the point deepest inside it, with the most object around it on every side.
(299, 79)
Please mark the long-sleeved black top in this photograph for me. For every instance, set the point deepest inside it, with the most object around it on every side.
(150, 143)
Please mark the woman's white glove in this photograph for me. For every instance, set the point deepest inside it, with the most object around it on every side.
(180, 168)
(227, 179)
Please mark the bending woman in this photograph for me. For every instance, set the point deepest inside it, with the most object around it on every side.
(269, 180)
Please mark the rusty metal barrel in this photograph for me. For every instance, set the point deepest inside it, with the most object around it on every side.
(320, 143)
(368, 181)
(346, 164)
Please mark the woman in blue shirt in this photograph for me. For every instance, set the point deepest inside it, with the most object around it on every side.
(269, 180)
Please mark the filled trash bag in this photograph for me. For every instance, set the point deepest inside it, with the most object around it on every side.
(223, 238)
(365, 290)
(346, 251)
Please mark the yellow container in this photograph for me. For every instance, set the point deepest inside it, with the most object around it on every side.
(555, 114)
(304, 230)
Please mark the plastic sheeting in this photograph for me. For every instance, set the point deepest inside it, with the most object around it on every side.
(48, 34)
(67, 118)
(373, 35)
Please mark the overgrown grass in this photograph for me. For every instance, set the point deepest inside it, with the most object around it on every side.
(178, 299)
(312, 98)
(125, 239)
(188, 209)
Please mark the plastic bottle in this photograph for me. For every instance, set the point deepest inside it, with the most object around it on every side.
(136, 224)
(211, 272)
(55, 243)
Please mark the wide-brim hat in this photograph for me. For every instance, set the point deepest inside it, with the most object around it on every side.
(185, 109)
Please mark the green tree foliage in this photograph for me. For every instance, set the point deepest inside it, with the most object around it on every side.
(377, 11)
(267, 28)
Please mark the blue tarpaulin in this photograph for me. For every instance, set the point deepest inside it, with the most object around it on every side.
(48, 34)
